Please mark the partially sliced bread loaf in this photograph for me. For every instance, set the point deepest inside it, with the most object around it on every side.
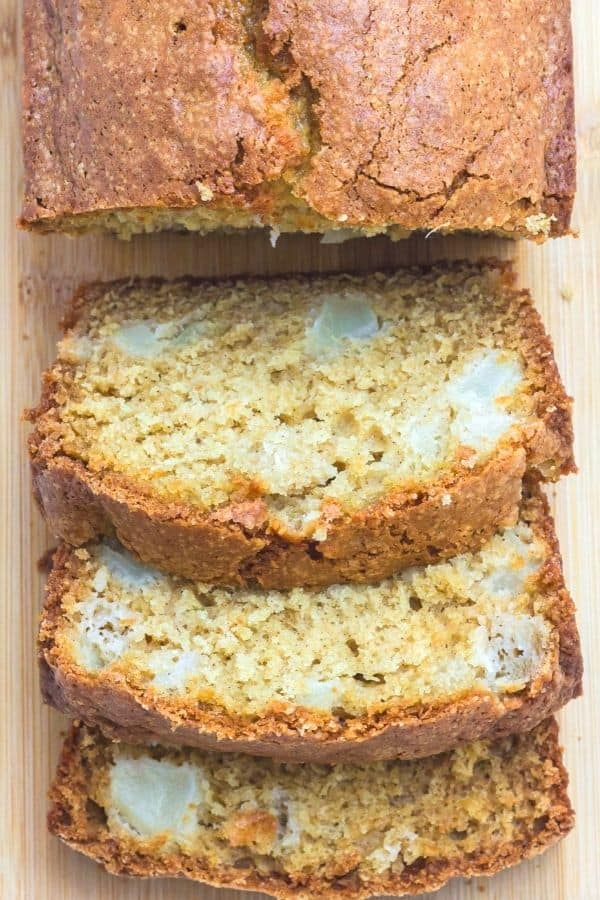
(299, 431)
(308, 832)
(479, 646)
(307, 115)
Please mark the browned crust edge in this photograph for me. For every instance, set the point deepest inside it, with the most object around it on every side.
(561, 153)
(126, 712)
(69, 820)
(234, 544)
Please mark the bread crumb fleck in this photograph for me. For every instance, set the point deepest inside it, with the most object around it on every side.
(566, 293)
(205, 192)
(539, 223)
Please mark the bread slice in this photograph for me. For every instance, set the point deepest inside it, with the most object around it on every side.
(311, 116)
(309, 832)
(300, 431)
(480, 646)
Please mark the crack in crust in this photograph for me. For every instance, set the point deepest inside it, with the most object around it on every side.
(377, 115)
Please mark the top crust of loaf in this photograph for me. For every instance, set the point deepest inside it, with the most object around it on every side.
(299, 115)
(242, 538)
(515, 790)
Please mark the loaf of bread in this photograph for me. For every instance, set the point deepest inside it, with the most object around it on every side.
(480, 646)
(317, 115)
(311, 832)
(299, 431)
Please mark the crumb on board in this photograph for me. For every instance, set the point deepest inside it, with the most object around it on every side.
(566, 293)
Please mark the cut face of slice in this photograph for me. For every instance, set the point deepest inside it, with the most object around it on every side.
(319, 669)
(473, 623)
(299, 431)
(335, 397)
(391, 827)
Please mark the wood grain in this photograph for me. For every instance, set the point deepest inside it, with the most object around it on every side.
(37, 274)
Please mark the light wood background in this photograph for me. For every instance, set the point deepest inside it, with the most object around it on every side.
(38, 273)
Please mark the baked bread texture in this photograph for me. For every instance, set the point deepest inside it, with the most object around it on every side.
(310, 115)
(480, 646)
(309, 832)
(300, 431)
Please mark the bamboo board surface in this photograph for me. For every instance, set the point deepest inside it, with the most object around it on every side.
(37, 274)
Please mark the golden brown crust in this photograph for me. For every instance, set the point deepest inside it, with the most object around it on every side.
(71, 819)
(235, 545)
(411, 115)
(227, 547)
(127, 712)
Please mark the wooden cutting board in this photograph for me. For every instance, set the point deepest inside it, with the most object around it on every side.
(37, 274)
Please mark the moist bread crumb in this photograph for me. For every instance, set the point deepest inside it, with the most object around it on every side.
(302, 430)
(299, 116)
(482, 645)
(310, 831)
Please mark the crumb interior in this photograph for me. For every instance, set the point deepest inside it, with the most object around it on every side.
(236, 811)
(313, 399)
(478, 622)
